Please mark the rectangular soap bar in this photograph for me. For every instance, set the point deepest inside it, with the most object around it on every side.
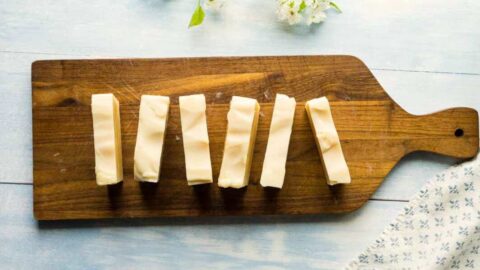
(107, 139)
(152, 123)
(239, 142)
(328, 142)
(195, 139)
(273, 172)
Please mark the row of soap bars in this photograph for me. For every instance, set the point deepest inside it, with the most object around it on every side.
(238, 150)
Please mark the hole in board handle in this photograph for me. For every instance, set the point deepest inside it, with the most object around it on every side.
(458, 132)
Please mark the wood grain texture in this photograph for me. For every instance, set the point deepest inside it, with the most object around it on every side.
(387, 35)
(375, 134)
(259, 242)
(159, 29)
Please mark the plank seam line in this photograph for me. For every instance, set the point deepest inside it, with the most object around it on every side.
(382, 69)
(387, 200)
(47, 53)
(427, 71)
(371, 199)
(15, 183)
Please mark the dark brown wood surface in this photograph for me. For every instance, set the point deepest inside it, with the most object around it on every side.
(375, 134)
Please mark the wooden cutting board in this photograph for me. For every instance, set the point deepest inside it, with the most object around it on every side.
(375, 134)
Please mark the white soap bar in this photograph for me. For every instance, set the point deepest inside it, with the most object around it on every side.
(152, 123)
(195, 139)
(328, 142)
(107, 139)
(239, 142)
(273, 172)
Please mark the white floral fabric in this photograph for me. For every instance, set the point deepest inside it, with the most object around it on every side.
(438, 229)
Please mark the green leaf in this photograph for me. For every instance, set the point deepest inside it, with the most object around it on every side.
(334, 6)
(197, 16)
(291, 4)
(302, 7)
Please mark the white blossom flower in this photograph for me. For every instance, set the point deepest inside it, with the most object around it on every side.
(312, 3)
(215, 5)
(291, 11)
(310, 11)
(317, 15)
(323, 4)
(288, 10)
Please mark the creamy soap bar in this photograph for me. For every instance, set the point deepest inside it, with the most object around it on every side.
(328, 142)
(152, 123)
(241, 131)
(273, 172)
(107, 139)
(195, 139)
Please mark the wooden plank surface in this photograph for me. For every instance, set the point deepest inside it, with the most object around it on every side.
(439, 91)
(375, 134)
(157, 29)
(427, 36)
(398, 40)
(307, 242)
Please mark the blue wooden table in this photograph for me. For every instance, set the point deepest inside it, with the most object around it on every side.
(426, 54)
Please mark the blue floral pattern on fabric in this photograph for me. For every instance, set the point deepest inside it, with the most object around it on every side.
(438, 229)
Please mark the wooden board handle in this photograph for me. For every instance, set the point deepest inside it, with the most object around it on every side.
(452, 132)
